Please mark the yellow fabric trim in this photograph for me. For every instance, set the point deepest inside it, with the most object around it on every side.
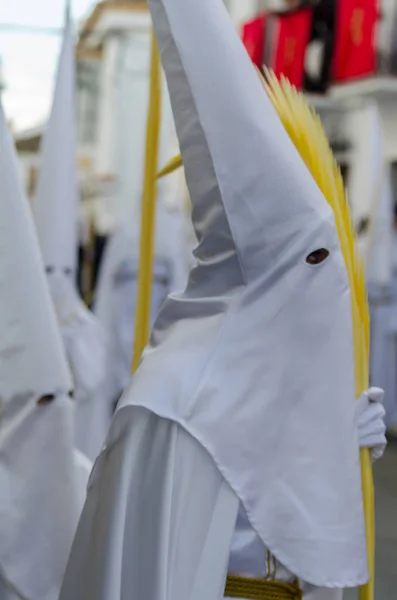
(260, 589)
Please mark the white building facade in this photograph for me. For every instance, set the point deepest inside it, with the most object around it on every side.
(113, 70)
(113, 55)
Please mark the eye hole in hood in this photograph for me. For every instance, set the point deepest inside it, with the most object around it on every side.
(45, 400)
(317, 257)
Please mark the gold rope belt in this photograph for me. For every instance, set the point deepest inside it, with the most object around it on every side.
(260, 589)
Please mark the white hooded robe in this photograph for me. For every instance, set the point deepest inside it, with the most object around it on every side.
(42, 477)
(56, 213)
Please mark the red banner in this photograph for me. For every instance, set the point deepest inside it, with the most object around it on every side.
(289, 35)
(253, 35)
(355, 39)
(280, 41)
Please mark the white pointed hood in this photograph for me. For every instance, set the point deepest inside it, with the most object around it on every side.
(56, 202)
(41, 497)
(56, 210)
(31, 357)
(255, 359)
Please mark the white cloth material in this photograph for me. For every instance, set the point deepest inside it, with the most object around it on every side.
(57, 199)
(7, 590)
(85, 344)
(115, 304)
(41, 497)
(248, 556)
(42, 494)
(152, 482)
(242, 349)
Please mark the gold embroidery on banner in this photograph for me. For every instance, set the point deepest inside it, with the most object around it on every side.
(289, 51)
(357, 26)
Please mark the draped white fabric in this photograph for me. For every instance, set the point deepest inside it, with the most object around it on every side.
(158, 519)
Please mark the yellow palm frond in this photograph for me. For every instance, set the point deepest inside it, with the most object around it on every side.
(306, 132)
(171, 166)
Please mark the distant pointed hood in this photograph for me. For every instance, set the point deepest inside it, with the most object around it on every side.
(56, 210)
(41, 493)
(256, 358)
(31, 357)
(56, 202)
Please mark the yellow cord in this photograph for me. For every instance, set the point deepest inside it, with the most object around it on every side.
(170, 167)
(142, 320)
(260, 589)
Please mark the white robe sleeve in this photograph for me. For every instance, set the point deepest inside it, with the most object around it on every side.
(158, 520)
